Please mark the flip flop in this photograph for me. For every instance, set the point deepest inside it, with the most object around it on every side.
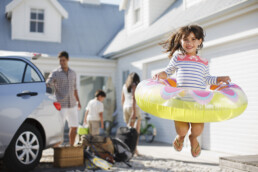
(194, 151)
(177, 145)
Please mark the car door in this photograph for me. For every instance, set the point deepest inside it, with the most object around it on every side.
(22, 89)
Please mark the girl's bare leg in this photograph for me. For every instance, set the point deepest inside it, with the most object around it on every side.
(196, 130)
(181, 130)
(138, 128)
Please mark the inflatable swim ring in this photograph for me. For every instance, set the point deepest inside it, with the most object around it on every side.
(163, 99)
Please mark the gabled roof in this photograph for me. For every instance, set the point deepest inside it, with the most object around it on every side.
(173, 18)
(85, 33)
(12, 5)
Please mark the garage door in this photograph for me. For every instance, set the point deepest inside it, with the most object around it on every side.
(239, 135)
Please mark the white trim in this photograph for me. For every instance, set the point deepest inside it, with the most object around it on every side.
(60, 8)
(10, 7)
(136, 47)
(237, 10)
(139, 64)
(91, 2)
(133, 26)
(89, 67)
(123, 5)
(224, 14)
(143, 64)
(79, 62)
(231, 38)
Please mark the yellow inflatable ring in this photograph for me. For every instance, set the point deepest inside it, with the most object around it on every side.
(163, 99)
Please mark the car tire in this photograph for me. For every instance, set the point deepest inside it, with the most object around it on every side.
(25, 149)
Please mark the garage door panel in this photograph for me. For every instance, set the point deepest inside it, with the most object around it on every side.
(238, 135)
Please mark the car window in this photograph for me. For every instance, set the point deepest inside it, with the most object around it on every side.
(31, 75)
(11, 71)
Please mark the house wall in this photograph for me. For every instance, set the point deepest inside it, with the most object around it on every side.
(150, 11)
(156, 8)
(21, 22)
(231, 46)
(130, 26)
(238, 59)
(136, 62)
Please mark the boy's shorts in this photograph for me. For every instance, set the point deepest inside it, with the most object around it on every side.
(94, 127)
(71, 115)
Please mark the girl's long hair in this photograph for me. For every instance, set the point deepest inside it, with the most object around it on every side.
(173, 44)
(133, 78)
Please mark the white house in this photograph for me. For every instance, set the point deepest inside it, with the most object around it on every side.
(82, 28)
(105, 45)
(231, 46)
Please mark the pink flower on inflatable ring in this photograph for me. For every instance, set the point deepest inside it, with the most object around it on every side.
(231, 94)
(201, 96)
(168, 92)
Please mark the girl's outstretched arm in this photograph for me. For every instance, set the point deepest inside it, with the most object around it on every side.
(221, 79)
(160, 75)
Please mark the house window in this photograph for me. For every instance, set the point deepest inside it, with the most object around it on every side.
(137, 10)
(37, 20)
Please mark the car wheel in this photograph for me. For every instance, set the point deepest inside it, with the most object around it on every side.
(25, 149)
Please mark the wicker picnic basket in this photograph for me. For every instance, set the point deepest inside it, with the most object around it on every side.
(68, 156)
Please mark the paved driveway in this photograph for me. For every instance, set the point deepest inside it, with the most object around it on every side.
(156, 157)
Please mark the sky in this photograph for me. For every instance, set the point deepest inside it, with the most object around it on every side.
(116, 2)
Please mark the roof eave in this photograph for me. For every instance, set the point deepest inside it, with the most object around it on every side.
(205, 21)
(59, 7)
(135, 47)
(123, 5)
(9, 8)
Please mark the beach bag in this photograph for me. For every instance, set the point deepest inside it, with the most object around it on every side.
(101, 146)
(83, 130)
(129, 136)
(122, 152)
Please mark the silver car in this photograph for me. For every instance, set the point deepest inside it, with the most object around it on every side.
(29, 117)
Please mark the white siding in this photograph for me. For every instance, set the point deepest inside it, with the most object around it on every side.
(156, 8)
(238, 135)
(21, 22)
(165, 128)
(130, 26)
(238, 59)
(134, 63)
(150, 11)
(231, 45)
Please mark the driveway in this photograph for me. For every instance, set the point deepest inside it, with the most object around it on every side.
(156, 157)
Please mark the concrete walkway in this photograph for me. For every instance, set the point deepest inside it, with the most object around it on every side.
(162, 156)
(164, 150)
(156, 156)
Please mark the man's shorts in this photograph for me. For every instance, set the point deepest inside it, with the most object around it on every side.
(71, 115)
